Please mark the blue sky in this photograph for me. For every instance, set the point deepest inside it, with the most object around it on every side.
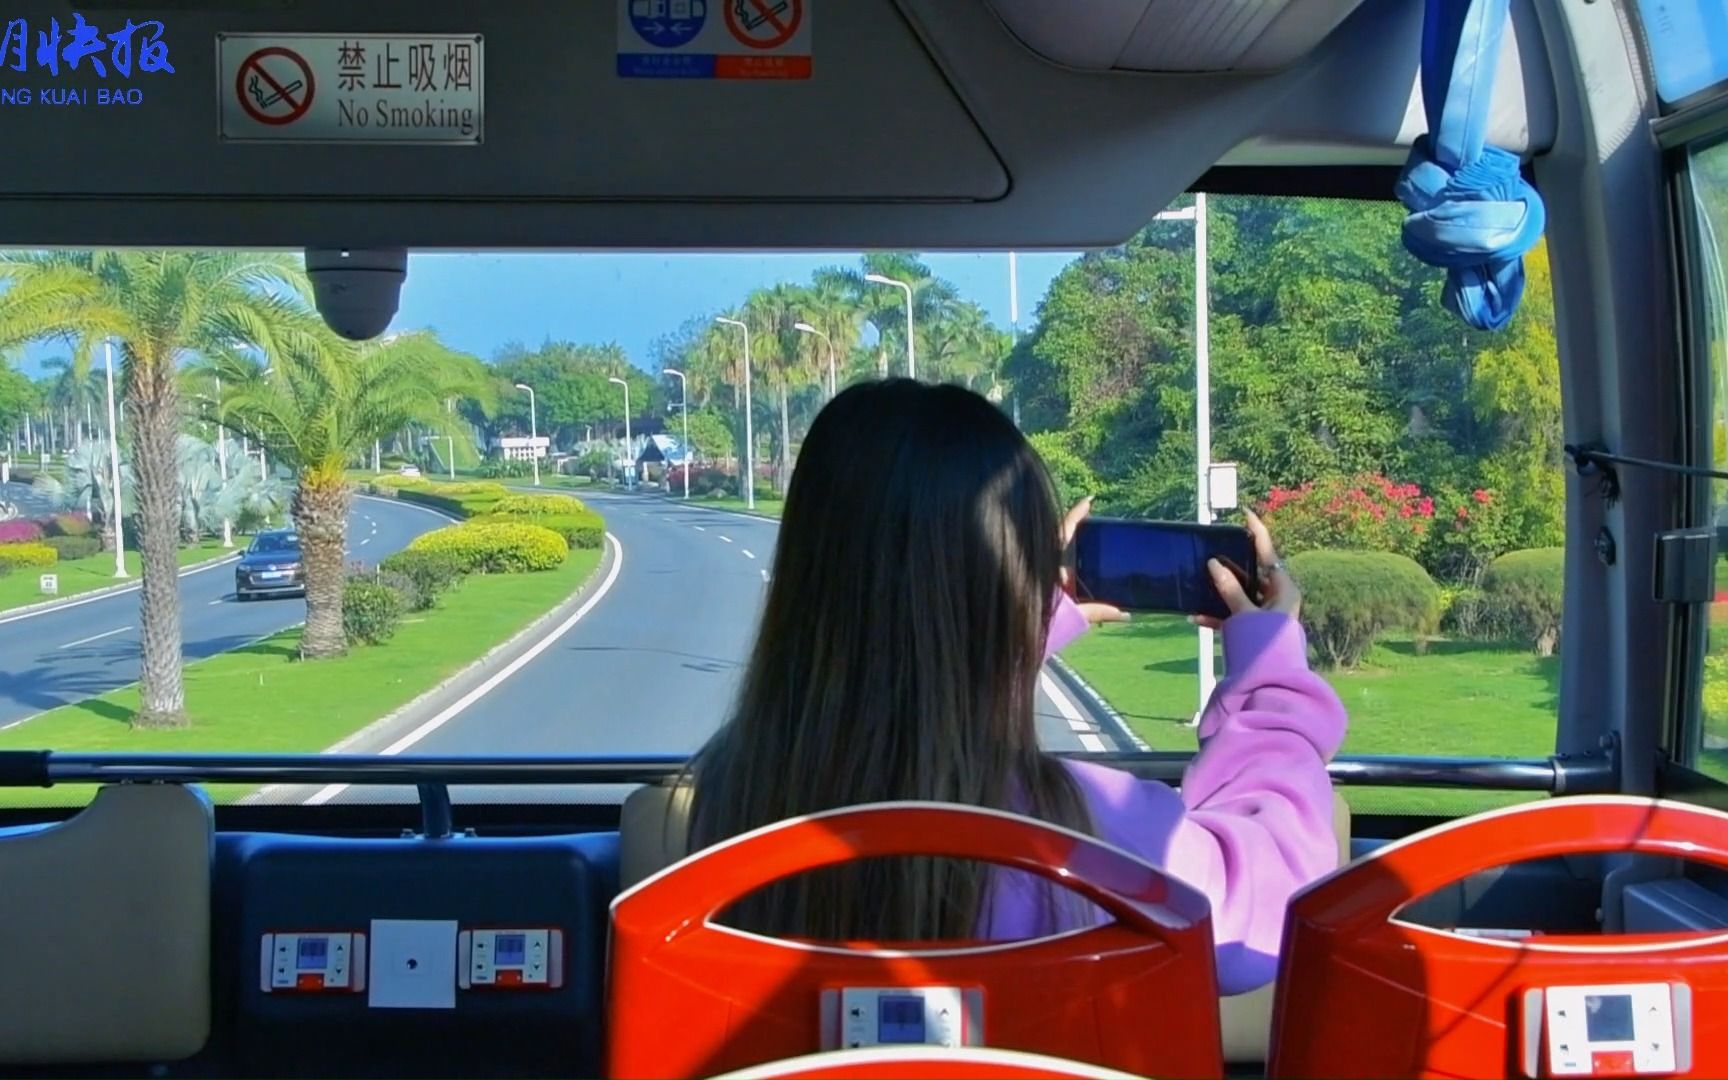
(477, 302)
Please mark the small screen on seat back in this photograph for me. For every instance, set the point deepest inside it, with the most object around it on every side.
(1608, 1017)
(900, 1020)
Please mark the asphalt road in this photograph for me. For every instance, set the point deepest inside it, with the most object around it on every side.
(654, 665)
(66, 654)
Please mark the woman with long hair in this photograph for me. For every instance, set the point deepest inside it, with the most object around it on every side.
(914, 598)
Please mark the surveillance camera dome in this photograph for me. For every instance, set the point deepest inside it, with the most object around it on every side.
(357, 291)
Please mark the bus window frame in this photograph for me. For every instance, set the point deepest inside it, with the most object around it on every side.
(1699, 297)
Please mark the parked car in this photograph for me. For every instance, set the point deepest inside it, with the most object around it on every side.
(409, 469)
(271, 566)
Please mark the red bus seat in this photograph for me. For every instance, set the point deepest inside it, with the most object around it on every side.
(690, 998)
(1361, 993)
(923, 1063)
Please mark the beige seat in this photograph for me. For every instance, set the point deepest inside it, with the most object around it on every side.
(106, 931)
(652, 830)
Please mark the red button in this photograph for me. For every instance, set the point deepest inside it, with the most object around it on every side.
(309, 982)
(508, 977)
(1612, 1063)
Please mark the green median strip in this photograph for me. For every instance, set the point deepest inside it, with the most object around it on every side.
(261, 699)
(766, 507)
(1457, 699)
(21, 588)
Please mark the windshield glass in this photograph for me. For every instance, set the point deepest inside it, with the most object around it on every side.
(582, 427)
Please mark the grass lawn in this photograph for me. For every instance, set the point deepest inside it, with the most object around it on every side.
(261, 699)
(20, 587)
(1459, 699)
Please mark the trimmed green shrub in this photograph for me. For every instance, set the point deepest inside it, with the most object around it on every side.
(497, 547)
(1350, 599)
(74, 547)
(27, 556)
(505, 467)
(539, 505)
(1521, 596)
(432, 573)
(464, 500)
(584, 530)
(370, 611)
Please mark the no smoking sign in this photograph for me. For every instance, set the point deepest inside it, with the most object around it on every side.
(688, 39)
(275, 86)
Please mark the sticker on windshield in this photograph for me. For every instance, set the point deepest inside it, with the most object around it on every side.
(397, 88)
(714, 39)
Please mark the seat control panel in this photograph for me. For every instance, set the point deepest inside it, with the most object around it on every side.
(1624, 1030)
(511, 958)
(855, 1017)
(313, 962)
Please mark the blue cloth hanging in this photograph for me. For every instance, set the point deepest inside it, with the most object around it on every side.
(1471, 211)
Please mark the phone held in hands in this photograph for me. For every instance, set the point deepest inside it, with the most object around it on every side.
(1159, 565)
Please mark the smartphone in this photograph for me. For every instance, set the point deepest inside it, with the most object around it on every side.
(1159, 565)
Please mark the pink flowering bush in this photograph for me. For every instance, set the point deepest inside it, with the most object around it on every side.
(19, 531)
(1363, 513)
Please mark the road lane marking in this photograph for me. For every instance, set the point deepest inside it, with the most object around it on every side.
(188, 572)
(748, 554)
(325, 794)
(764, 575)
(218, 600)
(366, 541)
(728, 539)
(97, 637)
(1092, 743)
(699, 528)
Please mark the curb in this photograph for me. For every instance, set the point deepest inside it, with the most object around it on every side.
(385, 729)
(43, 606)
(1094, 703)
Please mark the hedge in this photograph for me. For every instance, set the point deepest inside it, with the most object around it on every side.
(430, 573)
(72, 523)
(370, 611)
(74, 547)
(496, 547)
(26, 556)
(20, 531)
(1521, 597)
(539, 505)
(584, 530)
(1350, 599)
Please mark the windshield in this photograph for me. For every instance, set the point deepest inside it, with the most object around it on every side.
(583, 427)
(266, 544)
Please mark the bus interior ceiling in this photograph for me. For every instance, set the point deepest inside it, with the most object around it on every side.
(927, 124)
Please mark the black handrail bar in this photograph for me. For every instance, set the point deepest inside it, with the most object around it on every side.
(28, 768)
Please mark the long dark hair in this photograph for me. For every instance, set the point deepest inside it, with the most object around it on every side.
(898, 657)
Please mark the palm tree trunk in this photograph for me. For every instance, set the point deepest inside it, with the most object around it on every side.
(153, 402)
(321, 516)
(785, 444)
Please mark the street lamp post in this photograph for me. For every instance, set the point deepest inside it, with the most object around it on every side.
(534, 431)
(806, 328)
(749, 484)
(911, 349)
(1202, 409)
(630, 476)
(114, 462)
(683, 407)
(222, 462)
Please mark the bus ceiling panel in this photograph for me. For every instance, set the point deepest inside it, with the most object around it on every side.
(926, 124)
(1342, 118)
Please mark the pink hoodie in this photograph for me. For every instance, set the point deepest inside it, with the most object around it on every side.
(1252, 822)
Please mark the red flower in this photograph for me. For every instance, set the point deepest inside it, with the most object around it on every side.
(1482, 496)
(1425, 508)
(1406, 511)
(1463, 512)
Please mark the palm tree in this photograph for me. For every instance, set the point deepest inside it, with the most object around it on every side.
(831, 306)
(161, 307)
(780, 354)
(321, 406)
(885, 308)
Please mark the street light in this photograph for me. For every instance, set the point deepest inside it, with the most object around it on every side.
(114, 462)
(683, 407)
(749, 428)
(533, 435)
(806, 328)
(631, 475)
(911, 352)
(1202, 408)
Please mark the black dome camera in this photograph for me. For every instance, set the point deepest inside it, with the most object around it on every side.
(357, 291)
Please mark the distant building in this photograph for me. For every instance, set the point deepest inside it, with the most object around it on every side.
(521, 447)
(660, 449)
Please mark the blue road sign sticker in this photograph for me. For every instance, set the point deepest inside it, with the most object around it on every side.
(714, 39)
(667, 24)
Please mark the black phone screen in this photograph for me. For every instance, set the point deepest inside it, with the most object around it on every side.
(1159, 565)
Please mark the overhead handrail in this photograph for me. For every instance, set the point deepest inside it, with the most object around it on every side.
(1471, 211)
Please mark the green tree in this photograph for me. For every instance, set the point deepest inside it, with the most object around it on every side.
(161, 307)
(319, 407)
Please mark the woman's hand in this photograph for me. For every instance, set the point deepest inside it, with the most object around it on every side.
(1095, 613)
(1278, 591)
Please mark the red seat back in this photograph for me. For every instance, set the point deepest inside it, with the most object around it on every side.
(922, 1063)
(689, 998)
(1363, 994)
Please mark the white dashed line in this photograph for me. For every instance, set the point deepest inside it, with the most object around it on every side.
(764, 575)
(728, 539)
(1093, 743)
(98, 637)
(699, 528)
(748, 554)
(366, 541)
(218, 600)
